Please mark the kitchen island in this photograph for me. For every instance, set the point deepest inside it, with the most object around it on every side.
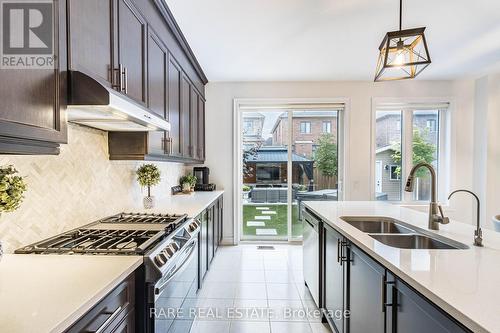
(462, 283)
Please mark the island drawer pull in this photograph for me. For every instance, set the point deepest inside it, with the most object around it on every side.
(109, 320)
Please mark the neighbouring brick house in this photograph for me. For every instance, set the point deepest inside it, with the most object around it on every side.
(307, 127)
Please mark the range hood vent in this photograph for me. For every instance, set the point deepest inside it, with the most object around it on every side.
(93, 104)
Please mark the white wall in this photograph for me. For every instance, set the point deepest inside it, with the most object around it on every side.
(219, 135)
(487, 145)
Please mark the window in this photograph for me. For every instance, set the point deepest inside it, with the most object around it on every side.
(431, 124)
(247, 127)
(394, 174)
(403, 139)
(327, 127)
(305, 127)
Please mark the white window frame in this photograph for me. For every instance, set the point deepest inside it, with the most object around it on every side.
(239, 105)
(446, 136)
(328, 127)
(398, 178)
(307, 129)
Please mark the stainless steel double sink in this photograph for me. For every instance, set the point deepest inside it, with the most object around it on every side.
(401, 235)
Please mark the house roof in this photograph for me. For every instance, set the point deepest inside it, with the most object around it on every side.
(276, 155)
(385, 148)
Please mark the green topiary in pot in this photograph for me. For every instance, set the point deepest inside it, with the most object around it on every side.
(12, 189)
(188, 182)
(148, 175)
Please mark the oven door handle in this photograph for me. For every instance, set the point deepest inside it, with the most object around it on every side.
(192, 249)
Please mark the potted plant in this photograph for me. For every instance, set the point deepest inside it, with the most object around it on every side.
(302, 188)
(246, 191)
(12, 190)
(188, 182)
(148, 175)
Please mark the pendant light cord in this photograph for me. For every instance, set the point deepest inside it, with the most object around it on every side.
(400, 14)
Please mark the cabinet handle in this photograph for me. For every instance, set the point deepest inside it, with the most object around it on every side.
(384, 294)
(121, 70)
(109, 320)
(167, 149)
(125, 80)
(338, 251)
(117, 74)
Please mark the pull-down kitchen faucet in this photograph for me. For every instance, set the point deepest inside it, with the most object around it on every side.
(436, 215)
(478, 233)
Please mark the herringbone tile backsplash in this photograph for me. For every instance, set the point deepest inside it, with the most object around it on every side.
(74, 188)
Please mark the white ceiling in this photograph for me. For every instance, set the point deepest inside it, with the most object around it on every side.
(308, 40)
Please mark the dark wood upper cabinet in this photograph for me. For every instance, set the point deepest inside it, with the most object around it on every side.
(174, 107)
(33, 101)
(137, 48)
(92, 44)
(193, 124)
(201, 128)
(157, 90)
(132, 30)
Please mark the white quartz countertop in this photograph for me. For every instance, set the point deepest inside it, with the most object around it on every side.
(48, 293)
(190, 204)
(464, 283)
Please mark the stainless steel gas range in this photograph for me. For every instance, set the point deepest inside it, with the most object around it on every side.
(169, 245)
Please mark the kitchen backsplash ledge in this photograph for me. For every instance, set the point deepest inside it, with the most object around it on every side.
(76, 187)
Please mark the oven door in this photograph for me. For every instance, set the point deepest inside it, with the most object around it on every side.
(171, 296)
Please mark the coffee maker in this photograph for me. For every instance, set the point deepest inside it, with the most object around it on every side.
(202, 175)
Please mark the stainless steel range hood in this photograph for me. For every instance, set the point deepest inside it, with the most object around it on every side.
(94, 105)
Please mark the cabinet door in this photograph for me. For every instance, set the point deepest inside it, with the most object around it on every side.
(210, 236)
(366, 288)
(412, 313)
(157, 89)
(174, 106)
(33, 101)
(203, 245)
(333, 285)
(201, 128)
(193, 124)
(185, 115)
(91, 43)
(132, 50)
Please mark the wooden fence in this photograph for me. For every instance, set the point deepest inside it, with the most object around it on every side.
(322, 182)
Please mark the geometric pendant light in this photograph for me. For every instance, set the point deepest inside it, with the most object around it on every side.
(403, 53)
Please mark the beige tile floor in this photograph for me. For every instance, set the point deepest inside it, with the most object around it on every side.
(256, 291)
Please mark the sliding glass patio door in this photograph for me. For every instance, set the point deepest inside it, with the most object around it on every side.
(288, 156)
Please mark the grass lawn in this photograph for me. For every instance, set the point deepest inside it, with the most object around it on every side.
(278, 221)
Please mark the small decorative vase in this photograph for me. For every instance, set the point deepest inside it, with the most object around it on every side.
(149, 202)
(186, 188)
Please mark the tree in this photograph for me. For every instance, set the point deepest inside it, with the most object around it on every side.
(423, 151)
(326, 155)
(248, 155)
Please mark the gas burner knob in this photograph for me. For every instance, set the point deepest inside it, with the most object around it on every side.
(169, 250)
(192, 227)
(174, 246)
(161, 259)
